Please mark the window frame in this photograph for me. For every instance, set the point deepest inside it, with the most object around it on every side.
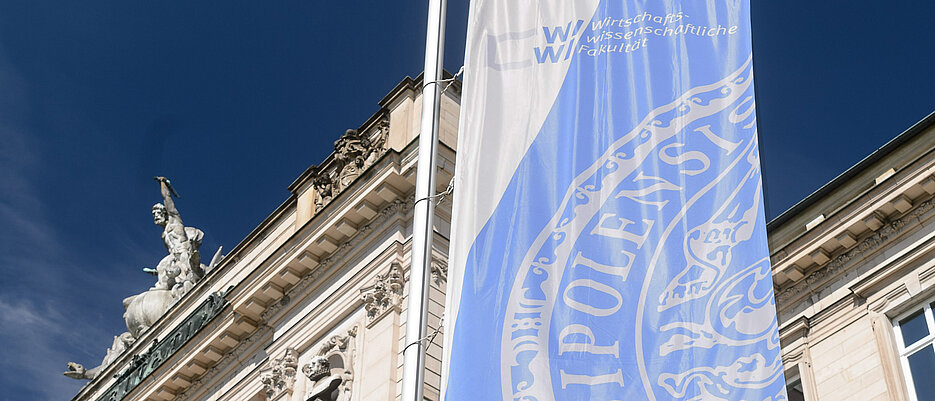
(791, 381)
(905, 351)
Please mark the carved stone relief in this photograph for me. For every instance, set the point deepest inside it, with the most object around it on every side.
(354, 152)
(379, 141)
(323, 189)
(439, 271)
(385, 293)
(350, 152)
(279, 377)
(330, 371)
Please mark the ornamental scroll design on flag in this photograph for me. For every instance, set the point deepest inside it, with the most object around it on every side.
(650, 278)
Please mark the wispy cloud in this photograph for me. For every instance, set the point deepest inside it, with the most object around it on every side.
(35, 342)
(38, 327)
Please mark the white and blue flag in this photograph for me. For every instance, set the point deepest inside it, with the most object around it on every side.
(608, 237)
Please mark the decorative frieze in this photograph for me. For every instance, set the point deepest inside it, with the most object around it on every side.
(331, 369)
(885, 232)
(279, 377)
(384, 294)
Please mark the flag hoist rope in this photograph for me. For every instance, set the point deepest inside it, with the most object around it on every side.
(424, 212)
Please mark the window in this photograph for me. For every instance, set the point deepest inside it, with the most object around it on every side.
(915, 337)
(794, 389)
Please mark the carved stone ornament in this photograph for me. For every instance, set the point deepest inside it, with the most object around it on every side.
(323, 189)
(384, 294)
(439, 271)
(331, 369)
(279, 377)
(354, 153)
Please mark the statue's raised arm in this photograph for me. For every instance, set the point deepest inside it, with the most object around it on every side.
(167, 191)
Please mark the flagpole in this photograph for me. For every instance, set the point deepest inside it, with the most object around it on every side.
(424, 208)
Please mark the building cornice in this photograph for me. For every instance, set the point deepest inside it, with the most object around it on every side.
(869, 245)
(852, 172)
(838, 232)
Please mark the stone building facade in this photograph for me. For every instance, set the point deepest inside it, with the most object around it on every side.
(854, 273)
(311, 304)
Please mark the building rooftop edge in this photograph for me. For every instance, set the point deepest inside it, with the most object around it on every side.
(838, 181)
(407, 83)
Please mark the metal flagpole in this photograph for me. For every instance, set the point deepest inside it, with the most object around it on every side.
(424, 208)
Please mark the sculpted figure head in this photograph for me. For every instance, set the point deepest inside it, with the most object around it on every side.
(317, 368)
(160, 217)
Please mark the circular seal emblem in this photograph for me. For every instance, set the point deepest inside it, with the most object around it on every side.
(650, 281)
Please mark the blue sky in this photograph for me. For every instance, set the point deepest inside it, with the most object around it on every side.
(234, 99)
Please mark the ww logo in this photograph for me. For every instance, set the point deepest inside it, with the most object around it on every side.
(565, 36)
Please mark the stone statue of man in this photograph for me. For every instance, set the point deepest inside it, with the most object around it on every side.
(177, 273)
(181, 242)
